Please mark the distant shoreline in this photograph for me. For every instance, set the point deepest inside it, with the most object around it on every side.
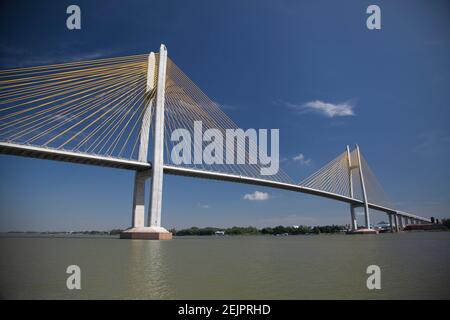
(196, 231)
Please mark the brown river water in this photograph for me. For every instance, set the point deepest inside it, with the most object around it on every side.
(413, 266)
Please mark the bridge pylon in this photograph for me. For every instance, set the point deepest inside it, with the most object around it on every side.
(153, 229)
(353, 224)
(363, 187)
(358, 166)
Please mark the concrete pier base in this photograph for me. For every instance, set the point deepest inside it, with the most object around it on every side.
(146, 233)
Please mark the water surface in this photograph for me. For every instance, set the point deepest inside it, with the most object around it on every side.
(413, 265)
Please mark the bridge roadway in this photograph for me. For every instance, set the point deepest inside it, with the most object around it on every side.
(69, 156)
(84, 158)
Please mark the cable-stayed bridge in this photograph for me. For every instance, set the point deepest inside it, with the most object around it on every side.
(121, 112)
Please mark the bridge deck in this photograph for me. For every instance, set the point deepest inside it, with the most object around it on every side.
(68, 156)
(75, 157)
(279, 185)
(255, 181)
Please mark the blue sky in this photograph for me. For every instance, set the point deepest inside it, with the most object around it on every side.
(264, 61)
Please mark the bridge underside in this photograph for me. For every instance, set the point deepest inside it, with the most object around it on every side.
(67, 156)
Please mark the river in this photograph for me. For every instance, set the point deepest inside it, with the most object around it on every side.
(413, 265)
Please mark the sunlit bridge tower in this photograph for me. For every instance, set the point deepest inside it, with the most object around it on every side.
(156, 84)
(357, 166)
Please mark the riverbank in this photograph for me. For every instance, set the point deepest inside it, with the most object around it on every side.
(278, 230)
(196, 231)
(210, 231)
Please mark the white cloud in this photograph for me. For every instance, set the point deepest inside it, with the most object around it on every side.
(203, 206)
(302, 159)
(256, 196)
(327, 109)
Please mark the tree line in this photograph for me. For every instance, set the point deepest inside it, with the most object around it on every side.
(278, 230)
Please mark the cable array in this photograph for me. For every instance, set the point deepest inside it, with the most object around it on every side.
(93, 106)
(375, 192)
(333, 177)
(97, 107)
(185, 103)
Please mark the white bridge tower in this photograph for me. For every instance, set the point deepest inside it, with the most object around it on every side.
(156, 85)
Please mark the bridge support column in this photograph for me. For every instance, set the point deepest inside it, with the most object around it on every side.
(363, 185)
(400, 220)
(153, 230)
(154, 214)
(391, 227)
(138, 219)
(396, 223)
(353, 222)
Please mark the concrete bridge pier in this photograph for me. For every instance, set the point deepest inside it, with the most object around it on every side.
(391, 227)
(396, 228)
(363, 187)
(354, 223)
(137, 220)
(154, 212)
(153, 230)
(354, 226)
